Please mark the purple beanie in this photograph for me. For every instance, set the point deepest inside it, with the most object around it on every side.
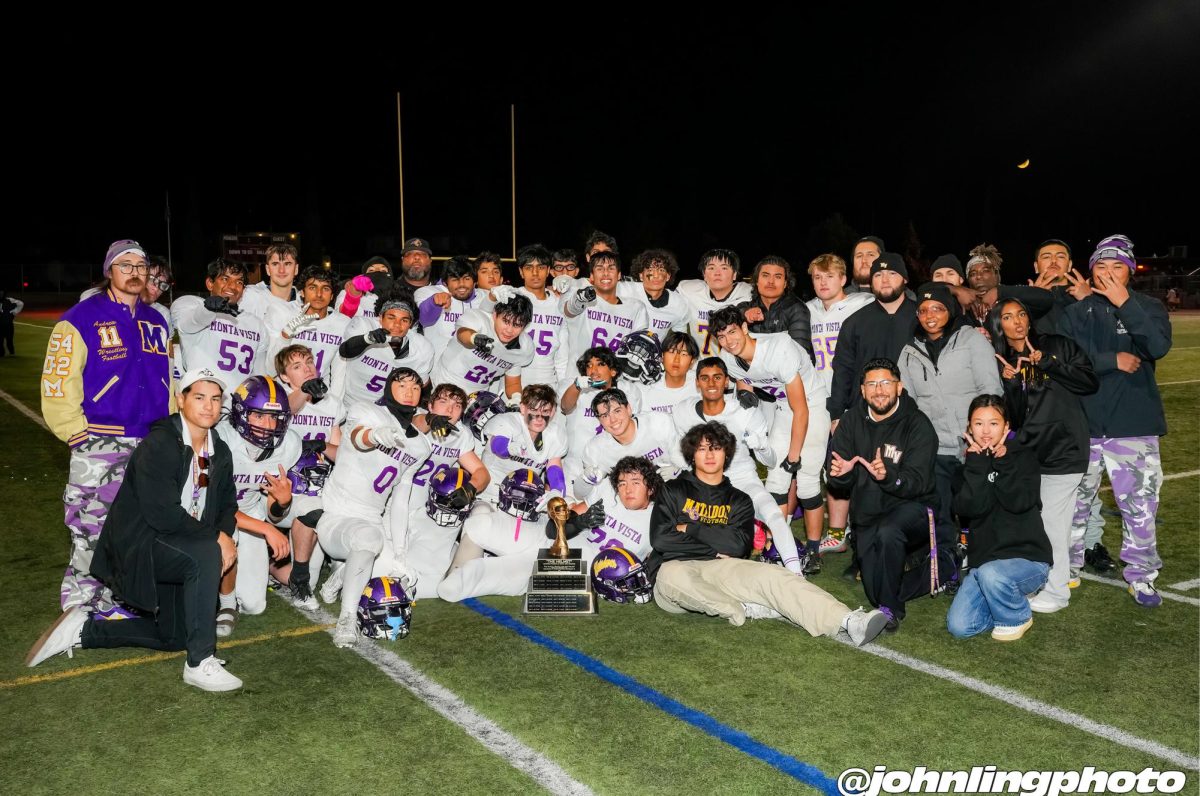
(1110, 252)
(118, 248)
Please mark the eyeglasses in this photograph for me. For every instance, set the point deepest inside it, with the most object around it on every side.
(202, 481)
(558, 268)
(882, 384)
(162, 284)
(127, 268)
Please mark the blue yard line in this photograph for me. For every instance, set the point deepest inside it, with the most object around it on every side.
(809, 775)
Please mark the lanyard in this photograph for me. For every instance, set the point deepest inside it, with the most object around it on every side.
(195, 510)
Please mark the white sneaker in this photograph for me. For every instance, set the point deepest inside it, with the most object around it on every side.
(1011, 632)
(226, 622)
(862, 627)
(309, 603)
(346, 632)
(210, 675)
(332, 587)
(756, 611)
(63, 635)
(1042, 603)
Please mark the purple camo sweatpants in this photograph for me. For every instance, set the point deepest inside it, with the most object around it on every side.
(96, 471)
(1135, 471)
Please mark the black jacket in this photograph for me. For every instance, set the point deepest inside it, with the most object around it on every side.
(147, 506)
(1049, 323)
(869, 333)
(1127, 404)
(1045, 406)
(908, 445)
(788, 314)
(1000, 499)
(719, 519)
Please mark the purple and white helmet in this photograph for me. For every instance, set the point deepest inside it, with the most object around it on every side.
(308, 474)
(481, 407)
(262, 395)
(520, 492)
(618, 576)
(384, 610)
(443, 506)
(640, 356)
(770, 553)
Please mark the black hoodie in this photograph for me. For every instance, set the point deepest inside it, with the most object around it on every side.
(869, 333)
(908, 444)
(719, 519)
(1001, 498)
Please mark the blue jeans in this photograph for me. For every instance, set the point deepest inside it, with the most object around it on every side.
(994, 595)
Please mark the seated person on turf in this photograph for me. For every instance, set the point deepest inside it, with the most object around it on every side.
(1008, 548)
(701, 530)
(618, 513)
(165, 543)
(882, 453)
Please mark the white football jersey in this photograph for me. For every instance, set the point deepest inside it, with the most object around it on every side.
(250, 475)
(362, 482)
(669, 313)
(827, 324)
(322, 337)
(366, 305)
(702, 305)
(551, 361)
(653, 442)
(443, 454)
(439, 332)
(473, 370)
(361, 379)
(522, 452)
(233, 348)
(604, 324)
(503, 534)
(658, 397)
(318, 420)
(258, 300)
(581, 425)
(734, 417)
(622, 527)
(777, 360)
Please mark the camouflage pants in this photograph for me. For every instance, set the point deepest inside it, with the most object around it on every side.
(96, 471)
(1135, 472)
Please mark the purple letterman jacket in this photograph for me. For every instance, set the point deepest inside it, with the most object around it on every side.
(107, 371)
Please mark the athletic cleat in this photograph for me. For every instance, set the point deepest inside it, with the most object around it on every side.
(810, 564)
(1144, 593)
(1098, 559)
(1013, 632)
(210, 675)
(863, 627)
(63, 635)
(332, 586)
(756, 611)
(893, 624)
(346, 632)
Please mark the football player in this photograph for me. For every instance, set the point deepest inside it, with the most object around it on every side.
(618, 515)
(489, 346)
(214, 333)
(264, 448)
(383, 447)
(718, 287)
(358, 297)
(596, 315)
(740, 414)
(547, 330)
(598, 370)
(649, 435)
(654, 269)
(778, 370)
(365, 360)
(441, 305)
(526, 438)
(311, 323)
(277, 289)
(678, 381)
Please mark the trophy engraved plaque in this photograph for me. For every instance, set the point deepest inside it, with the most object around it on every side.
(560, 585)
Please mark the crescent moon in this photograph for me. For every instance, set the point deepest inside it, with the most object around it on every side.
(1024, 165)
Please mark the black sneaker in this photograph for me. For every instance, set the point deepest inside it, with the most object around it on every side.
(893, 624)
(1098, 559)
(811, 565)
(851, 573)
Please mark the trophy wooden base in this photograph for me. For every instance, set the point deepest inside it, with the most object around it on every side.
(560, 586)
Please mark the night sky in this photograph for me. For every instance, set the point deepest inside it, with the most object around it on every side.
(765, 135)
